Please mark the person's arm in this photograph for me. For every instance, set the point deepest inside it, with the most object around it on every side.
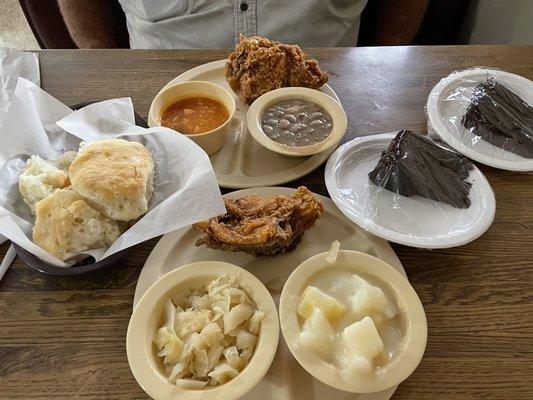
(398, 21)
(90, 22)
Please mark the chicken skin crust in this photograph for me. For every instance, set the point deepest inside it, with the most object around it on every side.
(262, 225)
(259, 65)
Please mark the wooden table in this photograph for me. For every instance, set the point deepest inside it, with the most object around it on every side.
(65, 337)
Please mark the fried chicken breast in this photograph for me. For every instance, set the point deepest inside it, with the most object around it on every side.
(259, 65)
(262, 225)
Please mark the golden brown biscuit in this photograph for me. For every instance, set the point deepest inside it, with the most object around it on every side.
(66, 225)
(116, 177)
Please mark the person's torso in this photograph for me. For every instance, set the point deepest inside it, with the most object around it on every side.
(168, 24)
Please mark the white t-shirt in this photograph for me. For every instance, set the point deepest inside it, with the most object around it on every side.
(178, 24)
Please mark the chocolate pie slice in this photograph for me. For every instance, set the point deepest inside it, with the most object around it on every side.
(413, 165)
(501, 118)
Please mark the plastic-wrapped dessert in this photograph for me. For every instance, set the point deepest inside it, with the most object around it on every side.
(413, 165)
(501, 118)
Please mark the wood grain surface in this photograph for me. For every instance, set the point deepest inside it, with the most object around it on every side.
(65, 337)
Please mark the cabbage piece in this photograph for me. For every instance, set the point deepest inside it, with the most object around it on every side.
(178, 371)
(199, 365)
(235, 332)
(222, 283)
(171, 350)
(246, 353)
(180, 301)
(236, 316)
(213, 355)
(238, 296)
(245, 339)
(169, 315)
(223, 373)
(227, 341)
(232, 357)
(200, 302)
(162, 337)
(221, 302)
(196, 341)
(211, 334)
(187, 322)
(190, 384)
(254, 326)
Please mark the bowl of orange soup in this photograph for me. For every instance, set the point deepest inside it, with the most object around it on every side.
(200, 110)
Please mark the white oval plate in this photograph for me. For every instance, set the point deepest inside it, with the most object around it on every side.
(242, 162)
(444, 116)
(286, 379)
(412, 221)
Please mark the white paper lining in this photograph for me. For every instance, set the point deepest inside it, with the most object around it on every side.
(186, 190)
(15, 63)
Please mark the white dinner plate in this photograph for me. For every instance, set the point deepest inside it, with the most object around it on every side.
(448, 103)
(412, 221)
(242, 162)
(286, 379)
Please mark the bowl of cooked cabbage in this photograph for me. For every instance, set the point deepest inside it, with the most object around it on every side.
(204, 330)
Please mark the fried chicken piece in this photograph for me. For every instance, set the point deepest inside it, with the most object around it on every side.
(259, 65)
(262, 225)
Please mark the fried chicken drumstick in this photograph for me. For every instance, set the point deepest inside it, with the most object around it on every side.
(259, 65)
(262, 225)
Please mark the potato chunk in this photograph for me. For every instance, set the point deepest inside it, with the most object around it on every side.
(369, 299)
(317, 334)
(362, 343)
(314, 298)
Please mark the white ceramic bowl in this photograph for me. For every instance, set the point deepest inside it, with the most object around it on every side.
(147, 317)
(256, 110)
(210, 141)
(414, 326)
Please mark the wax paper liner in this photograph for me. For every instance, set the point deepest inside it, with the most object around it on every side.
(15, 64)
(185, 192)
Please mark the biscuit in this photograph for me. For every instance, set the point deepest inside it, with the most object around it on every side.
(39, 179)
(115, 176)
(66, 225)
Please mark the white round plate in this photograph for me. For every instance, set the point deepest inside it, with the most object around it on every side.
(448, 102)
(286, 378)
(412, 221)
(242, 162)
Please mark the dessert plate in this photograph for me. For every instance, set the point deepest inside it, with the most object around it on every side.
(242, 162)
(412, 221)
(286, 379)
(448, 102)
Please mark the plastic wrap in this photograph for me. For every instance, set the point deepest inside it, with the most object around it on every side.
(485, 114)
(411, 190)
(413, 165)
